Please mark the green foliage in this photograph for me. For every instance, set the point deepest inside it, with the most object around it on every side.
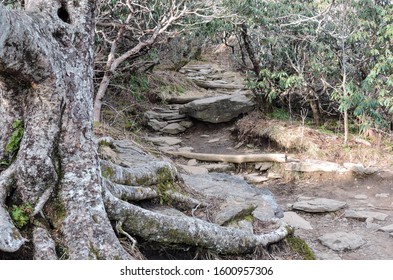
(20, 214)
(138, 86)
(279, 114)
(305, 56)
(300, 246)
(13, 144)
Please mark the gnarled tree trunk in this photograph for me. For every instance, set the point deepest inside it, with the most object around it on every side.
(46, 69)
(46, 84)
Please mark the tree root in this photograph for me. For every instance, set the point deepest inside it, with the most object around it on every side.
(133, 193)
(234, 158)
(185, 230)
(130, 193)
(147, 175)
(10, 238)
(44, 246)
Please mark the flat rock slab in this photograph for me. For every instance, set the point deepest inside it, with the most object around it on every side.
(194, 169)
(388, 228)
(340, 241)
(319, 205)
(314, 166)
(218, 109)
(235, 191)
(364, 215)
(170, 141)
(231, 210)
(327, 256)
(294, 220)
(263, 166)
(173, 128)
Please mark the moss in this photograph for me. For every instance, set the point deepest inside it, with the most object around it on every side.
(56, 212)
(249, 218)
(20, 214)
(165, 183)
(143, 181)
(107, 172)
(12, 147)
(62, 252)
(299, 246)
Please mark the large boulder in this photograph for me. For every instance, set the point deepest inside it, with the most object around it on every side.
(219, 109)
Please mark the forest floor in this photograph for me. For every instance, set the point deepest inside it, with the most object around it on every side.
(369, 192)
(302, 140)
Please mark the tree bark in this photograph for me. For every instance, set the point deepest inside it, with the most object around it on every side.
(46, 82)
(49, 61)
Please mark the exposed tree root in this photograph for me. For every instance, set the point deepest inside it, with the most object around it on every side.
(234, 158)
(130, 193)
(44, 246)
(148, 175)
(185, 230)
(10, 238)
(133, 193)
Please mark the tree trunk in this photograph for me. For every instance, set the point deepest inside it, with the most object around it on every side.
(262, 100)
(52, 172)
(46, 69)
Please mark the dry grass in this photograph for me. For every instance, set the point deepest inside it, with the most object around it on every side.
(314, 143)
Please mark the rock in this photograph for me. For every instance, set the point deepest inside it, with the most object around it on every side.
(370, 224)
(192, 162)
(382, 195)
(263, 166)
(360, 169)
(232, 210)
(272, 175)
(185, 149)
(157, 125)
(355, 167)
(327, 256)
(218, 109)
(205, 136)
(186, 124)
(215, 140)
(294, 220)
(165, 140)
(361, 196)
(255, 178)
(219, 167)
(174, 116)
(319, 205)
(235, 191)
(314, 166)
(340, 241)
(173, 128)
(194, 169)
(388, 228)
(363, 215)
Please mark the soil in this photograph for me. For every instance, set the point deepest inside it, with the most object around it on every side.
(376, 191)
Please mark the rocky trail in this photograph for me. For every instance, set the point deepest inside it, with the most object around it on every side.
(343, 211)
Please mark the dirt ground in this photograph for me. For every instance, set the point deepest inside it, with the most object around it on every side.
(371, 193)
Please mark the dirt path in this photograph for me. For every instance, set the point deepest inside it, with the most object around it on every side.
(371, 193)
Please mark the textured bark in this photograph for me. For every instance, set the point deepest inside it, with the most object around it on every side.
(185, 230)
(48, 53)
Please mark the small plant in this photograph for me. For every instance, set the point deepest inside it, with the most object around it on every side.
(13, 144)
(20, 214)
(280, 114)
